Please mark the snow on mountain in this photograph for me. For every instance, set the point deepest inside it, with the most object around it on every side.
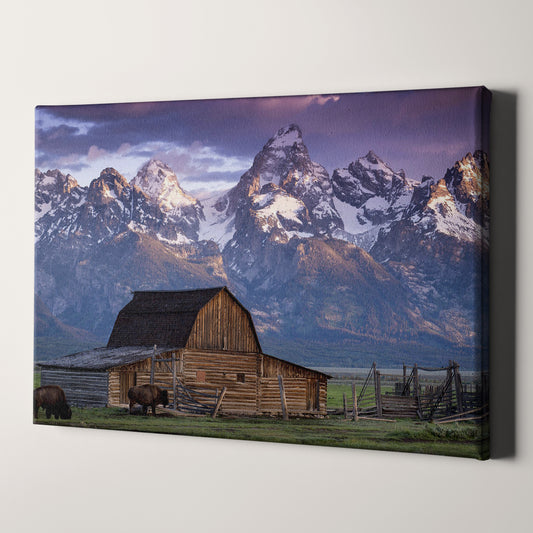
(441, 212)
(438, 247)
(369, 195)
(216, 225)
(468, 182)
(284, 167)
(58, 197)
(160, 184)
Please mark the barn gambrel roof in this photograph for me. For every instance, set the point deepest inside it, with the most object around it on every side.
(162, 318)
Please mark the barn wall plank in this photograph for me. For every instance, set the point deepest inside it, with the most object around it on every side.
(222, 324)
(82, 389)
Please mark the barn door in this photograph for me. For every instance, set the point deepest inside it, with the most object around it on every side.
(312, 395)
(127, 380)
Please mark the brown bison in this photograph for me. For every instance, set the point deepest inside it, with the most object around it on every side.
(53, 400)
(147, 395)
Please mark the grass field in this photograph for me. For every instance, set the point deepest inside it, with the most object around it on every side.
(401, 435)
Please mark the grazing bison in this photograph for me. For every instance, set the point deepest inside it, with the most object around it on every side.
(53, 400)
(147, 395)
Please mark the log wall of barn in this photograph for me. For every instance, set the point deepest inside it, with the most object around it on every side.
(299, 396)
(251, 381)
(235, 371)
(123, 377)
(222, 324)
(82, 388)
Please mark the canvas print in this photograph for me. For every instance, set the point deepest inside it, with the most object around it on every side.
(302, 269)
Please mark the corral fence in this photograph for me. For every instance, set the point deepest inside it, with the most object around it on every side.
(426, 393)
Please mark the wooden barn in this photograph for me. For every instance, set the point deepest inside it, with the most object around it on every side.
(195, 344)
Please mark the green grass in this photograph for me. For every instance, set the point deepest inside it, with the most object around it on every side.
(401, 435)
(461, 440)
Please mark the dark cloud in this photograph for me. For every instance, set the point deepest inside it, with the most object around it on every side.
(406, 128)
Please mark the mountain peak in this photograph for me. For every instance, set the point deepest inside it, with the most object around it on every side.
(56, 180)
(110, 173)
(286, 137)
(110, 185)
(154, 165)
(158, 181)
(372, 159)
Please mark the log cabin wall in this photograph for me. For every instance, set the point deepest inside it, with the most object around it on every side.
(215, 370)
(302, 395)
(305, 389)
(251, 381)
(82, 388)
(223, 325)
(121, 378)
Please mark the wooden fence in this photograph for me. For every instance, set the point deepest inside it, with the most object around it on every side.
(414, 395)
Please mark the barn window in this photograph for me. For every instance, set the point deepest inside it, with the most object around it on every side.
(200, 376)
(241, 377)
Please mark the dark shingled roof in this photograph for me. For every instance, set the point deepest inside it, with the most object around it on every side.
(102, 358)
(164, 318)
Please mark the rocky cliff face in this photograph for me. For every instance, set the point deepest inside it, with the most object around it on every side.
(369, 195)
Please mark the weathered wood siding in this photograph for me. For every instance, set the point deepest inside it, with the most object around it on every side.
(300, 393)
(222, 324)
(235, 371)
(82, 388)
(251, 381)
(123, 377)
(305, 389)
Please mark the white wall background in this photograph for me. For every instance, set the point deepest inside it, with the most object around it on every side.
(64, 480)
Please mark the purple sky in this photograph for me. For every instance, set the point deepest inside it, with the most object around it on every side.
(210, 143)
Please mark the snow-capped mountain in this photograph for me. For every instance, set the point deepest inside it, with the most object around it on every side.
(455, 206)
(468, 182)
(438, 249)
(284, 195)
(159, 183)
(369, 195)
(365, 256)
(58, 198)
(284, 176)
(95, 244)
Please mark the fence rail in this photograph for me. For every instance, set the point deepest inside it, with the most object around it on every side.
(415, 395)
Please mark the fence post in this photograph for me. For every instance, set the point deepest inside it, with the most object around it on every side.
(458, 387)
(283, 399)
(219, 402)
(379, 408)
(355, 414)
(344, 405)
(174, 391)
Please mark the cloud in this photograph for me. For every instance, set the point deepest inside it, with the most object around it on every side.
(218, 137)
(196, 159)
(95, 153)
(124, 148)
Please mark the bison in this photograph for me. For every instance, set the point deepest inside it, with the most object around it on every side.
(53, 400)
(147, 395)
